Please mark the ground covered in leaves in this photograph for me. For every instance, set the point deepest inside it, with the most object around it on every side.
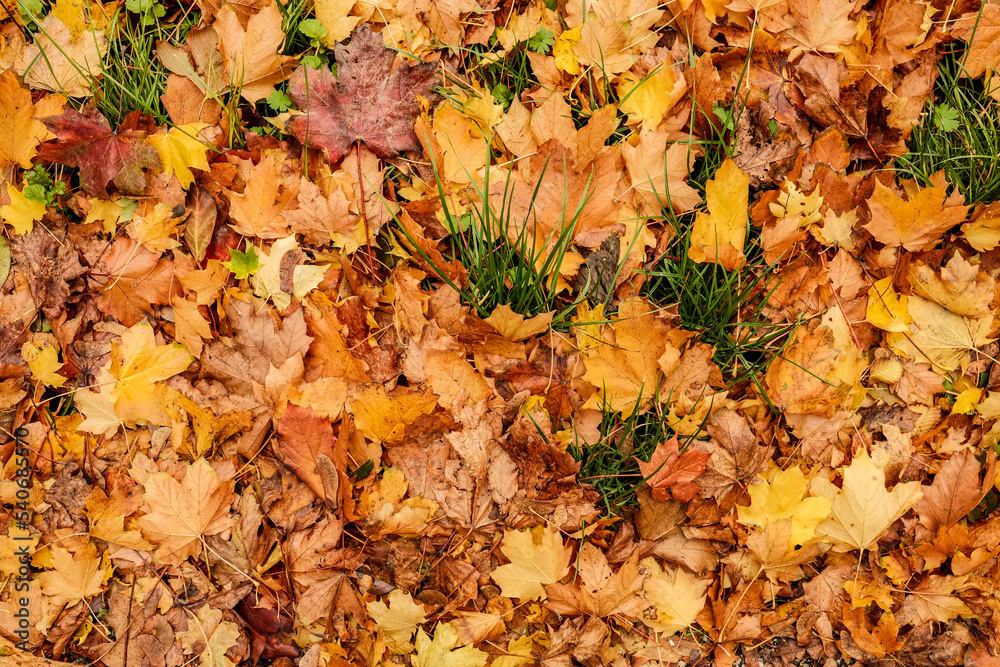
(452, 333)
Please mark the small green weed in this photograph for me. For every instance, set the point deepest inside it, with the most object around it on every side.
(959, 134)
(133, 77)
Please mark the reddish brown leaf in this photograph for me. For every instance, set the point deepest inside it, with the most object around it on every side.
(671, 474)
(368, 101)
(303, 436)
(86, 140)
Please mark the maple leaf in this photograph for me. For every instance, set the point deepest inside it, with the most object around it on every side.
(367, 102)
(72, 579)
(106, 516)
(181, 149)
(782, 498)
(718, 236)
(398, 620)
(60, 62)
(916, 223)
(137, 364)
(21, 213)
(887, 309)
(600, 592)
(217, 636)
(280, 276)
(934, 600)
(383, 417)
(677, 596)
(537, 557)
(626, 367)
(441, 652)
(955, 492)
(85, 140)
(19, 131)
(253, 65)
(386, 513)
(671, 474)
(939, 336)
(182, 513)
(862, 510)
(44, 362)
(260, 209)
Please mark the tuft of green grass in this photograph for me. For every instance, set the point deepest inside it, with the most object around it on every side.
(133, 78)
(610, 465)
(959, 133)
(510, 262)
(725, 308)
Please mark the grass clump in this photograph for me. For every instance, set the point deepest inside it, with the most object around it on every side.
(959, 133)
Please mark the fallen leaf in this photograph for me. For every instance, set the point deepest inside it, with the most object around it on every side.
(537, 557)
(368, 101)
(718, 236)
(671, 474)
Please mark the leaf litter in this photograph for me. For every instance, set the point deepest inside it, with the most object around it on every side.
(264, 422)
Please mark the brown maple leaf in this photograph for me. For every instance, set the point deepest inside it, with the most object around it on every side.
(368, 101)
(671, 474)
(86, 140)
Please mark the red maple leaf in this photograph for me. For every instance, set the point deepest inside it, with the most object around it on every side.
(368, 101)
(86, 140)
(671, 474)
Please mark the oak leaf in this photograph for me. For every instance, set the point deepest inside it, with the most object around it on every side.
(671, 474)
(183, 513)
(86, 140)
(718, 236)
(537, 557)
(863, 509)
(368, 101)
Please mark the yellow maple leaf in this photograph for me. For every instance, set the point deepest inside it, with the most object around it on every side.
(21, 213)
(515, 327)
(782, 498)
(73, 579)
(862, 510)
(939, 336)
(648, 99)
(155, 227)
(915, 223)
(19, 131)
(441, 652)
(386, 513)
(181, 149)
(137, 364)
(562, 50)
(398, 620)
(383, 416)
(335, 17)
(983, 233)
(718, 236)
(887, 309)
(110, 211)
(626, 368)
(677, 597)
(182, 513)
(212, 635)
(537, 557)
(259, 209)
(44, 362)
